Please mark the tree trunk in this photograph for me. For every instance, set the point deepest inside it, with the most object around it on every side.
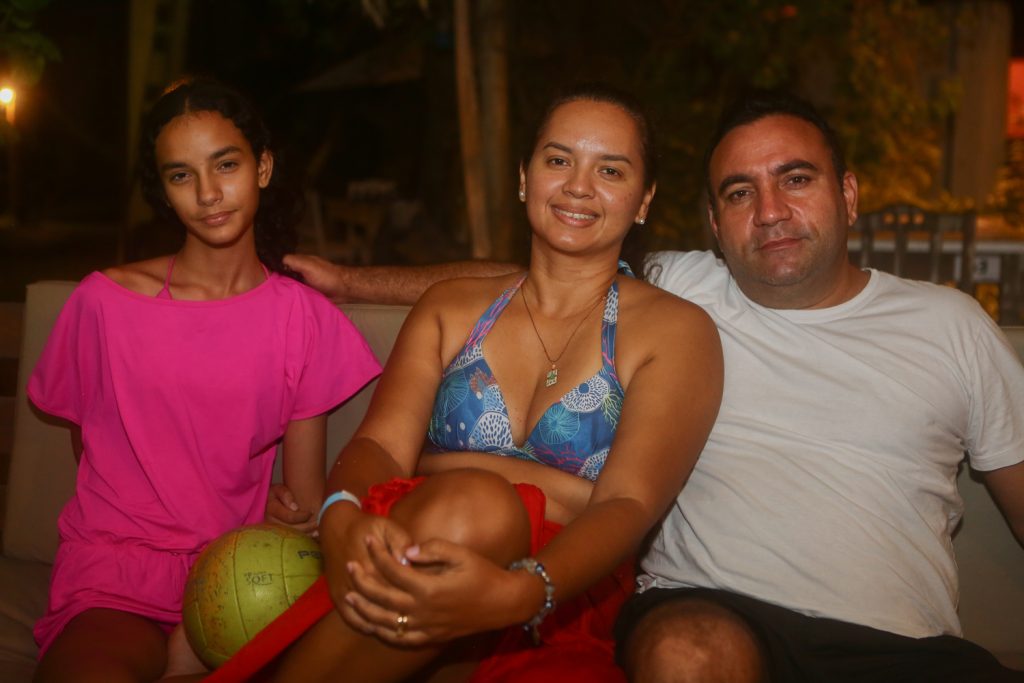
(157, 38)
(473, 167)
(492, 17)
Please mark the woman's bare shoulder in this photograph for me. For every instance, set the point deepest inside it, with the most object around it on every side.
(653, 321)
(144, 277)
(655, 325)
(652, 304)
(467, 292)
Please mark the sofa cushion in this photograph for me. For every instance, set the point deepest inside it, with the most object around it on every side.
(991, 567)
(24, 587)
(380, 326)
(1016, 337)
(42, 470)
(42, 478)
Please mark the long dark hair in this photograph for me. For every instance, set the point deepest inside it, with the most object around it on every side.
(634, 248)
(280, 204)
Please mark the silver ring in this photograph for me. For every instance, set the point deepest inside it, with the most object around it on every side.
(401, 621)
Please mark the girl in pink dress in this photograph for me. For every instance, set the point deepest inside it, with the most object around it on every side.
(180, 376)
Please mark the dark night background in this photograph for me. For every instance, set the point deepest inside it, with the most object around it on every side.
(681, 58)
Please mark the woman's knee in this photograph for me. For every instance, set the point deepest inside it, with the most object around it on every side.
(475, 508)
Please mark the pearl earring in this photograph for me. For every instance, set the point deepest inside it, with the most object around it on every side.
(522, 195)
(641, 220)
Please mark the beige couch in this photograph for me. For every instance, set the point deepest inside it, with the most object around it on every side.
(42, 477)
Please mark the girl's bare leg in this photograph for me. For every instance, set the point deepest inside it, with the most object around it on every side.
(181, 659)
(105, 646)
(475, 508)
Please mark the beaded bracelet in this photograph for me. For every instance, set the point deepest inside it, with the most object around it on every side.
(334, 498)
(537, 569)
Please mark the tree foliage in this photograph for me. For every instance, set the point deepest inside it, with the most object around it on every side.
(24, 51)
(860, 61)
(1008, 195)
(876, 68)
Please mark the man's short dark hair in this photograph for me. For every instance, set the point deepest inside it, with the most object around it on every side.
(755, 105)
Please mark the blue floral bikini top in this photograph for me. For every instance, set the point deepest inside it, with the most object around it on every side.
(573, 434)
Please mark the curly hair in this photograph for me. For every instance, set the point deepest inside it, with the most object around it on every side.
(280, 205)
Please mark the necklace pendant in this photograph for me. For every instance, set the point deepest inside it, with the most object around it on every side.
(551, 379)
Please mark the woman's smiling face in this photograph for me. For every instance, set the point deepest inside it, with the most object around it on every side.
(584, 182)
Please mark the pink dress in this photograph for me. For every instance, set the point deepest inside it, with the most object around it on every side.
(181, 406)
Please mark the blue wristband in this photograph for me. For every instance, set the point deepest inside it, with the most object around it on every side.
(334, 498)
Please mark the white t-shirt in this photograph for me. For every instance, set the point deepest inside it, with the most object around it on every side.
(828, 484)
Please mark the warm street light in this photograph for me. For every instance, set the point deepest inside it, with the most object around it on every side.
(7, 101)
(8, 98)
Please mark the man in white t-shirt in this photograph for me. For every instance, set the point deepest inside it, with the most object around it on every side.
(812, 541)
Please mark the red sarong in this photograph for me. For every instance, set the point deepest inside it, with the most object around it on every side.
(576, 638)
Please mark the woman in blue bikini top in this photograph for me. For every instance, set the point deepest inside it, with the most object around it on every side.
(573, 434)
(600, 387)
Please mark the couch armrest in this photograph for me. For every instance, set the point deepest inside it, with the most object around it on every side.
(1016, 337)
(42, 470)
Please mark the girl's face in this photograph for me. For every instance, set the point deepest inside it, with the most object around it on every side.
(584, 183)
(211, 178)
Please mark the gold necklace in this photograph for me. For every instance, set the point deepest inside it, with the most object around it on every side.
(551, 377)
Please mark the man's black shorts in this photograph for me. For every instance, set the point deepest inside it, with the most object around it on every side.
(802, 648)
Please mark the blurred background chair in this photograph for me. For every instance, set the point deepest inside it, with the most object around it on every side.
(900, 230)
